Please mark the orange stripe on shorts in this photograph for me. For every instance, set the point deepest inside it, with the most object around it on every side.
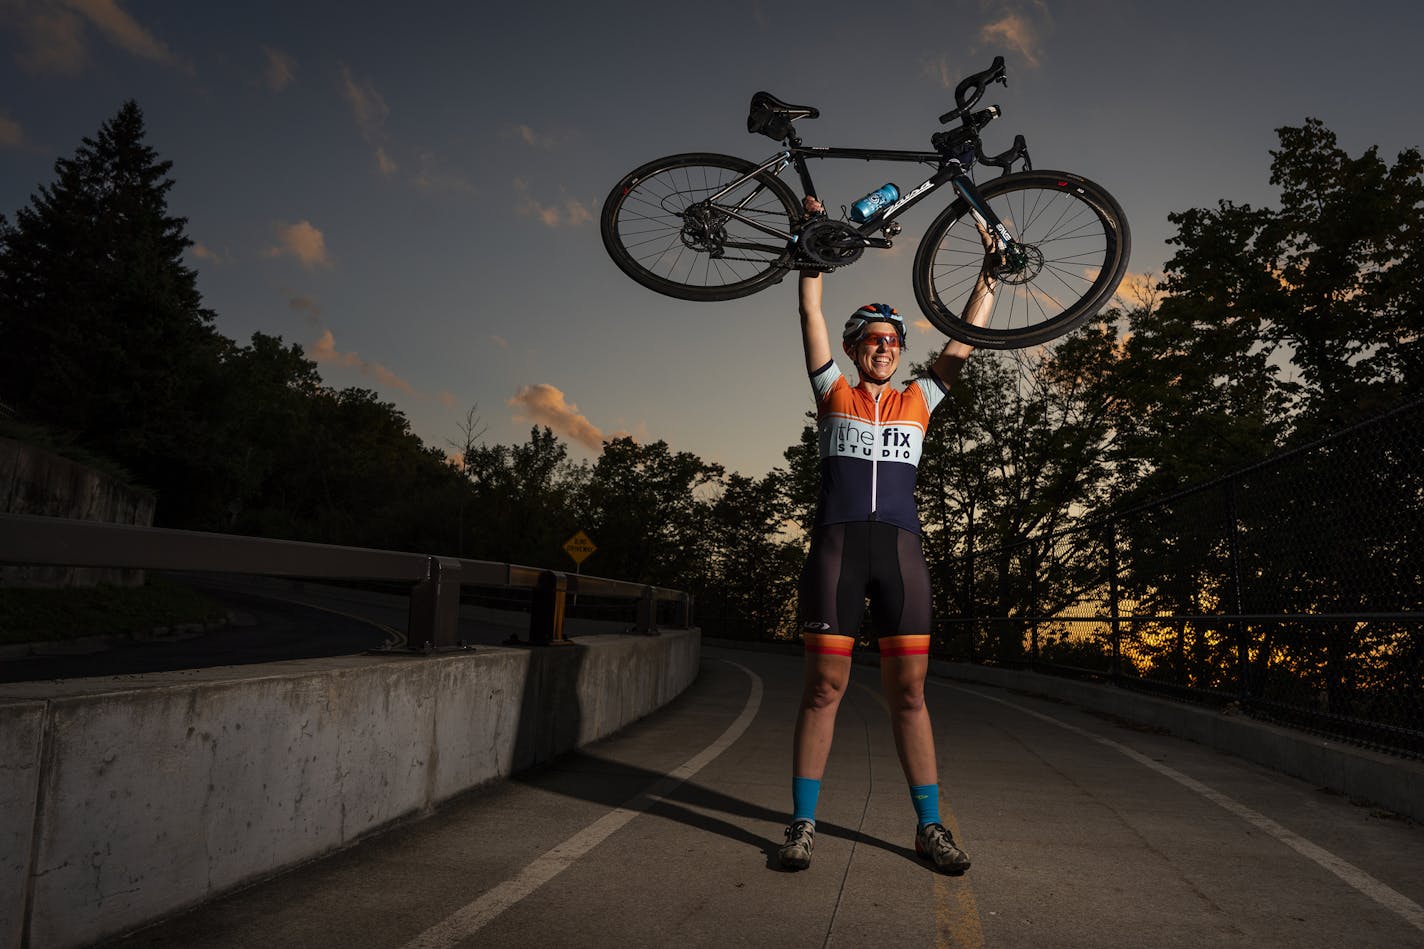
(829, 643)
(904, 646)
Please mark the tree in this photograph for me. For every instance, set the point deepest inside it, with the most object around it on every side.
(747, 588)
(522, 501)
(102, 328)
(646, 514)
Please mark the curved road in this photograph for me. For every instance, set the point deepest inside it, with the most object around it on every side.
(1083, 833)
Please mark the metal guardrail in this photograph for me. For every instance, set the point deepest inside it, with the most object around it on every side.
(1292, 589)
(436, 581)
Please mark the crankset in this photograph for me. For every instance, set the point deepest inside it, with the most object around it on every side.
(828, 243)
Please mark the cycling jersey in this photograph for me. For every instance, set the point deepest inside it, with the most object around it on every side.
(870, 448)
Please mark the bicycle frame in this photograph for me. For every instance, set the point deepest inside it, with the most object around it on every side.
(949, 171)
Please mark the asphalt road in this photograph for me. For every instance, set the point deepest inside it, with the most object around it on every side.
(1084, 833)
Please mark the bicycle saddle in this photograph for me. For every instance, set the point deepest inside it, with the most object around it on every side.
(772, 117)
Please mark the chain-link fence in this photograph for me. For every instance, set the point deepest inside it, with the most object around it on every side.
(1293, 589)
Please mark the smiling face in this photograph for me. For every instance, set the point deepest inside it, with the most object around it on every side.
(877, 354)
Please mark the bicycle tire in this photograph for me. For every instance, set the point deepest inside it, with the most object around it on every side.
(651, 238)
(1079, 246)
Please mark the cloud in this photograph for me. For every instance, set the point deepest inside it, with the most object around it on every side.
(370, 111)
(570, 213)
(11, 134)
(302, 241)
(500, 341)
(54, 38)
(324, 351)
(536, 139)
(1018, 31)
(434, 175)
(56, 33)
(385, 163)
(939, 71)
(204, 252)
(544, 404)
(306, 305)
(281, 69)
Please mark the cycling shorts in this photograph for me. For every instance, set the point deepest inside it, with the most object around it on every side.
(852, 561)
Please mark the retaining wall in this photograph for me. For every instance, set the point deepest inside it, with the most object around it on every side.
(36, 481)
(124, 800)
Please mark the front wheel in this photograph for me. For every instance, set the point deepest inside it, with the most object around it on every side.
(669, 226)
(1075, 246)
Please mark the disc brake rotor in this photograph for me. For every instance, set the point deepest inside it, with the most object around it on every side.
(1031, 267)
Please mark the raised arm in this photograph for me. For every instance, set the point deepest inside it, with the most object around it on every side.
(814, 337)
(977, 310)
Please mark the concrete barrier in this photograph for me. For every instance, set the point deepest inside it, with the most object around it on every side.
(124, 800)
(1396, 784)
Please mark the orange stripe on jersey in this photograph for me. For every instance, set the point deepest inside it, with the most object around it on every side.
(904, 645)
(830, 644)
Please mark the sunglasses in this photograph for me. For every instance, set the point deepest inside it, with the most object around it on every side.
(890, 340)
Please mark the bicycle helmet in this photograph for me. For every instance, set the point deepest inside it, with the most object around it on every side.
(872, 313)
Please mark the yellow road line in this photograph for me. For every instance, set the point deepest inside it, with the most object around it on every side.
(957, 921)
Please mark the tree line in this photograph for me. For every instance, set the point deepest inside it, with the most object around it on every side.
(1269, 327)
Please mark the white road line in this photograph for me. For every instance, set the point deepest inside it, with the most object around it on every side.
(473, 916)
(1376, 890)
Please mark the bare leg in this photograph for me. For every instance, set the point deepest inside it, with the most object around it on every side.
(825, 685)
(903, 680)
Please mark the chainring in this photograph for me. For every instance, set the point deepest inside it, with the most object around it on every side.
(830, 243)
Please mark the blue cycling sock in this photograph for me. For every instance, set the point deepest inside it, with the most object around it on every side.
(804, 793)
(925, 797)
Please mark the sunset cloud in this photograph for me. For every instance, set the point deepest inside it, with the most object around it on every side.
(302, 241)
(324, 351)
(306, 305)
(280, 71)
(543, 404)
(569, 213)
(204, 252)
(534, 138)
(941, 72)
(11, 135)
(370, 111)
(55, 35)
(436, 175)
(1018, 31)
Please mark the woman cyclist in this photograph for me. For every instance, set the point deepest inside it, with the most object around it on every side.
(866, 543)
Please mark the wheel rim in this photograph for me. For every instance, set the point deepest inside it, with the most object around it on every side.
(1070, 251)
(667, 229)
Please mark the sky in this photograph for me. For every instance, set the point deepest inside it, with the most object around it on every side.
(411, 191)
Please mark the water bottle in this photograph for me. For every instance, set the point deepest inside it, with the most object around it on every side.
(864, 209)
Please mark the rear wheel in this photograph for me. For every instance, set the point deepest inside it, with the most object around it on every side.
(661, 228)
(1075, 247)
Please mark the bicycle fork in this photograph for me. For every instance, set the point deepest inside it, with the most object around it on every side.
(1011, 252)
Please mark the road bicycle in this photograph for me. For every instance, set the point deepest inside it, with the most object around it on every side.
(703, 226)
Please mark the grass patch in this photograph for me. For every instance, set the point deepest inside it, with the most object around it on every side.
(39, 614)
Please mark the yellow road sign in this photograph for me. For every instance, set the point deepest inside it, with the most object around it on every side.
(579, 547)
